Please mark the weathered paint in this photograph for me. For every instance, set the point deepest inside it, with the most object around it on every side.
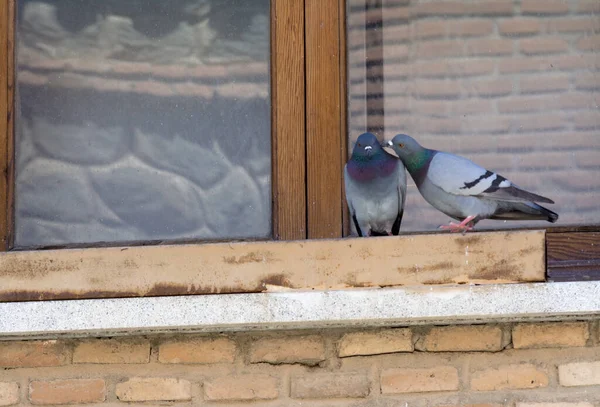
(478, 258)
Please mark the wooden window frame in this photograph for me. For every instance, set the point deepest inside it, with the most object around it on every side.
(309, 149)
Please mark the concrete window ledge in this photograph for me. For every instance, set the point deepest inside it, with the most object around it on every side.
(457, 304)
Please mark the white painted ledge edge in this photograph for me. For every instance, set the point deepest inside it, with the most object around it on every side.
(301, 310)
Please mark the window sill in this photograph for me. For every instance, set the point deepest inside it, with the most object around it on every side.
(253, 267)
(387, 281)
(456, 304)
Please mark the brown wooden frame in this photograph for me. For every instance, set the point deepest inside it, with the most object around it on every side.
(7, 66)
(308, 60)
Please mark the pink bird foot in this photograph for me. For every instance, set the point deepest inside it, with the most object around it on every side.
(459, 227)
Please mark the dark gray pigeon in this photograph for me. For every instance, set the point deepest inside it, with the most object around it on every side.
(375, 184)
(465, 191)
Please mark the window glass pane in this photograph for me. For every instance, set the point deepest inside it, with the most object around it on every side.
(142, 120)
(511, 85)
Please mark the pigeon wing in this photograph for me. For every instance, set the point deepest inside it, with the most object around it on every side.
(459, 176)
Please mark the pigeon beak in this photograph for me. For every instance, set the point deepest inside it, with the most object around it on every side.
(368, 150)
(389, 143)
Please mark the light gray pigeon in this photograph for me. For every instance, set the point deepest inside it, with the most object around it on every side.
(375, 184)
(465, 191)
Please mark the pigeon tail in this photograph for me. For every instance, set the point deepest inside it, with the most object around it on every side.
(552, 216)
(525, 211)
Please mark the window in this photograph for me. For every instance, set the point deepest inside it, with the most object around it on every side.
(139, 121)
(323, 72)
(510, 85)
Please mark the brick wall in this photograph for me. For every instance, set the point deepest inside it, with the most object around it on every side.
(512, 84)
(523, 365)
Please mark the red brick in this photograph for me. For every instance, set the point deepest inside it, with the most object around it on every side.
(429, 29)
(539, 122)
(574, 24)
(520, 104)
(242, 387)
(587, 120)
(462, 339)
(523, 376)
(577, 61)
(577, 181)
(308, 350)
(519, 64)
(112, 351)
(588, 159)
(471, 106)
(571, 100)
(396, 87)
(441, 378)
(549, 335)
(397, 33)
(437, 89)
(394, 15)
(589, 81)
(34, 354)
(9, 393)
(543, 45)
(544, 83)
(561, 140)
(375, 342)
(470, 27)
(589, 43)
(453, 8)
(579, 374)
(444, 69)
(475, 405)
(588, 6)
(330, 386)
(486, 124)
(576, 100)
(396, 52)
(489, 47)
(198, 350)
(519, 26)
(67, 391)
(154, 389)
(438, 49)
(433, 125)
(493, 87)
(550, 404)
(544, 7)
(438, 108)
(502, 163)
(546, 161)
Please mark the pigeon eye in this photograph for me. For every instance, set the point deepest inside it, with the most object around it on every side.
(401, 145)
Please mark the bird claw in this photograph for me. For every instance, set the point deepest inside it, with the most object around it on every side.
(459, 227)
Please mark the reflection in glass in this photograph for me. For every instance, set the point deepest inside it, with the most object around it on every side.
(510, 85)
(142, 120)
